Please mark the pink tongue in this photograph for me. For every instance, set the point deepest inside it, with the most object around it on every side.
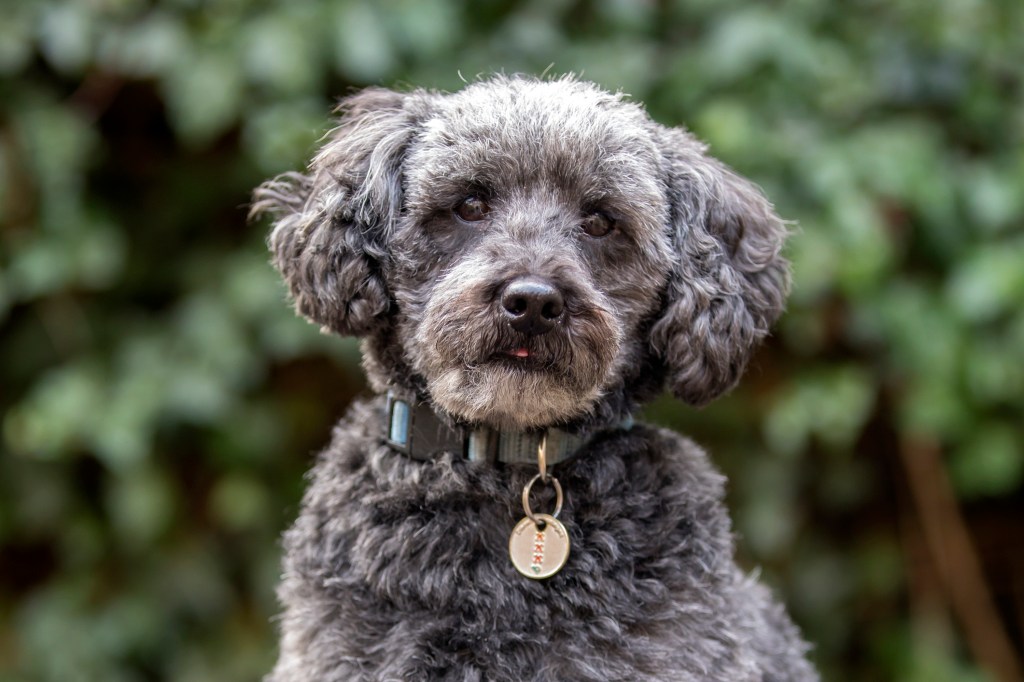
(521, 353)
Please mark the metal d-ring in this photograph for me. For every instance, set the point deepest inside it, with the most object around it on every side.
(526, 498)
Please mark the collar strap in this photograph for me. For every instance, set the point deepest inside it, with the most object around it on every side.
(416, 431)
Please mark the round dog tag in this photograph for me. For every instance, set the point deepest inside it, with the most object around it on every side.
(539, 553)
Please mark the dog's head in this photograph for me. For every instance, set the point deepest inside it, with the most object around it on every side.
(526, 253)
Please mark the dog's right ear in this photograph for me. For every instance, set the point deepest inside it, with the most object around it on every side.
(331, 223)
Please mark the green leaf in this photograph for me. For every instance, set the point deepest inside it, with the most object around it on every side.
(53, 420)
(15, 38)
(990, 462)
(990, 281)
(141, 505)
(832, 405)
(933, 406)
(363, 48)
(239, 502)
(742, 41)
(767, 519)
(204, 94)
(281, 136)
(60, 145)
(728, 126)
(67, 35)
(924, 340)
(280, 54)
(426, 27)
(993, 197)
(994, 370)
(865, 246)
(150, 47)
(815, 256)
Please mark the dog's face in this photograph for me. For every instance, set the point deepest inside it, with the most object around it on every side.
(528, 252)
(530, 249)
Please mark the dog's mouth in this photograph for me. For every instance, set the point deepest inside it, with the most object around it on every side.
(521, 357)
(522, 352)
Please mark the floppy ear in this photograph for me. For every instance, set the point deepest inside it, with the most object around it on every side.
(331, 223)
(729, 282)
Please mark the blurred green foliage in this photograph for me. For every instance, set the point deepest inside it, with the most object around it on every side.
(160, 400)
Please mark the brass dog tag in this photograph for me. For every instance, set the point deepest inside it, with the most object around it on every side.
(539, 553)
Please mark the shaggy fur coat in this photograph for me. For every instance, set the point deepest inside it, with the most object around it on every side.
(659, 267)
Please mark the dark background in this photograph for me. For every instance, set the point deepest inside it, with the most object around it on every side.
(160, 401)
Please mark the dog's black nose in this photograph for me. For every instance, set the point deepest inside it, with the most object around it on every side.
(533, 305)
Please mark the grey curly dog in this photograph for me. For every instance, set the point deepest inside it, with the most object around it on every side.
(524, 260)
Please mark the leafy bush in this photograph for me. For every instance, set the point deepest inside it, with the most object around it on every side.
(160, 400)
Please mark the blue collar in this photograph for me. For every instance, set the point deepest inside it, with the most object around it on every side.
(417, 432)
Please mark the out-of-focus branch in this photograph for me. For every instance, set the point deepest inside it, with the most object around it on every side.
(956, 560)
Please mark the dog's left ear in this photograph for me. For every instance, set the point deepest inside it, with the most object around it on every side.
(331, 223)
(729, 282)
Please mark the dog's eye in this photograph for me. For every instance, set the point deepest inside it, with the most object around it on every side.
(473, 209)
(597, 225)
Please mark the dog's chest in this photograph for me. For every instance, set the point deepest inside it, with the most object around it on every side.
(411, 559)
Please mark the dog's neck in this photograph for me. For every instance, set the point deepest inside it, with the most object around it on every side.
(414, 429)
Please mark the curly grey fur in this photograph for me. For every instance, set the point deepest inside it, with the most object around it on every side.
(397, 569)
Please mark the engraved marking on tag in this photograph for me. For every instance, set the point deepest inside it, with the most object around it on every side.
(538, 552)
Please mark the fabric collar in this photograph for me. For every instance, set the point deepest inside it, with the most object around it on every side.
(414, 429)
